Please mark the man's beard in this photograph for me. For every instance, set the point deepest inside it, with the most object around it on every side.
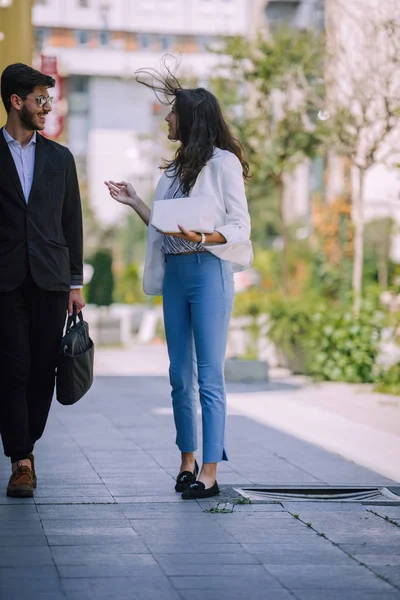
(27, 120)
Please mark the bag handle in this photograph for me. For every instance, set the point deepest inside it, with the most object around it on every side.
(72, 319)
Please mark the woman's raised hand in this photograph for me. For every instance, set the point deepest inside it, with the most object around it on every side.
(121, 191)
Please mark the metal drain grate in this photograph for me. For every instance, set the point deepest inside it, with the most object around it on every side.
(358, 494)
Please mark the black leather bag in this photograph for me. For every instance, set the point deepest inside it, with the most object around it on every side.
(75, 361)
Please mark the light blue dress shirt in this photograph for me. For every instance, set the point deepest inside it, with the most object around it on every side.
(24, 159)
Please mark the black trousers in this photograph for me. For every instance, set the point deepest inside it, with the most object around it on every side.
(32, 322)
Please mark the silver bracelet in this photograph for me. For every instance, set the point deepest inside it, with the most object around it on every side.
(203, 238)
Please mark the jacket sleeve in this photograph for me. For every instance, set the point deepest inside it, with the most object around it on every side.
(237, 227)
(72, 223)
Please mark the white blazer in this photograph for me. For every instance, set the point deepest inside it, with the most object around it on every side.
(221, 178)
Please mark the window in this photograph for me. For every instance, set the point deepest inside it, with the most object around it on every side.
(144, 41)
(41, 36)
(279, 11)
(166, 42)
(78, 94)
(104, 37)
(204, 41)
(83, 37)
(319, 16)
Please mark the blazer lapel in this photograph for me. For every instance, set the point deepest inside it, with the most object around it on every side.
(163, 185)
(9, 168)
(40, 161)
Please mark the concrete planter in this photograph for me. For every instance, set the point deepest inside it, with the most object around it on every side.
(246, 371)
(293, 359)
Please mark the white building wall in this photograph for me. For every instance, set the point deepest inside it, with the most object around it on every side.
(118, 155)
(111, 123)
(208, 17)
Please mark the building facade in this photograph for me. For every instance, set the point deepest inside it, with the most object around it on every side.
(113, 124)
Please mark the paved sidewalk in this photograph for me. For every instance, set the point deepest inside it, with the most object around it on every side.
(106, 523)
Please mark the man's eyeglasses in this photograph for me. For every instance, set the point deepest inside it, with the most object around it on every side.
(41, 100)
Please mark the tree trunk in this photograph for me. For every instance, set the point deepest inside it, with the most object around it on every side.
(383, 274)
(281, 198)
(358, 261)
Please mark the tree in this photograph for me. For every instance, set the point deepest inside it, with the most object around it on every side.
(100, 287)
(284, 93)
(363, 97)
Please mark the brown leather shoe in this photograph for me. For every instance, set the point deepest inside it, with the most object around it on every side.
(21, 483)
(34, 478)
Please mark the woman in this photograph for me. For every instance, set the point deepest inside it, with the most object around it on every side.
(194, 272)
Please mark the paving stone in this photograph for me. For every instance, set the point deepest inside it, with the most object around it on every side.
(66, 491)
(150, 499)
(86, 526)
(4, 500)
(78, 555)
(220, 582)
(25, 556)
(393, 512)
(77, 499)
(351, 594)
(159, 510)
(209, 558)
(324, 507)
(383, 549)
(391, 573)
(242, 594)
(9, 512)
(95, 512)
(113, 569)
(279, 554)
(96, 539)
(360, 537)
(19, 528)
(380, 559)
(34, 595)
(31, 573)
(189, 546)
(121, 588)
(46, 589)
(201, 528)
(10, 541)
(214, 570)
(327, 576)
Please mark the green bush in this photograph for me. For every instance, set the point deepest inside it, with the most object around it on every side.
(291, 320)
(334, 343)
(387, 381)
(252, 301)
(100, 287)
(343, 347)
(128, 286)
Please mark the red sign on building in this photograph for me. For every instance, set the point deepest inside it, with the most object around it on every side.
(55, 119)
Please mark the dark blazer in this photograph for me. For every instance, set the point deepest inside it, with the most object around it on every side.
(43, 236)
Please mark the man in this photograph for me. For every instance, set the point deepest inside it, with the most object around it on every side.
(40, 265)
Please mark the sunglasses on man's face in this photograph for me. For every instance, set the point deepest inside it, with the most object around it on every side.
(41, 100)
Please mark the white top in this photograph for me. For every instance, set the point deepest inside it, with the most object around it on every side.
(24, 159)
(222, 178)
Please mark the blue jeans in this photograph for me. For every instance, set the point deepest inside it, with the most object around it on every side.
(198, 293)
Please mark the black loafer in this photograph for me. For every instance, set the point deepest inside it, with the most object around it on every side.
(186, 478)
(199, 490)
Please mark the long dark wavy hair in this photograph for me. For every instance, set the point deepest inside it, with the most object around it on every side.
(201, 125)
